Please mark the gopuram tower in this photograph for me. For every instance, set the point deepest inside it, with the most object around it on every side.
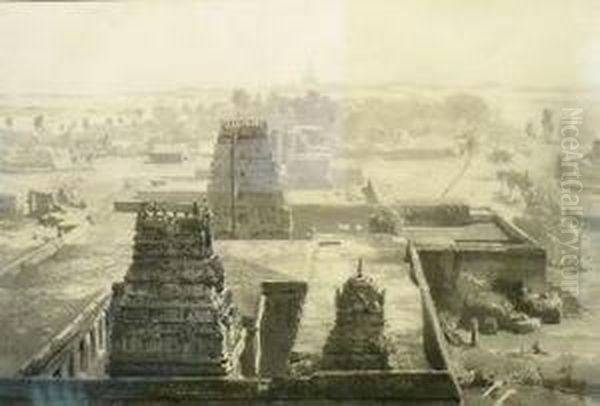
(357, 340)
(172, 315)
(244, 191)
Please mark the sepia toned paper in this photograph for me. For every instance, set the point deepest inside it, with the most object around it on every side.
(300, 202)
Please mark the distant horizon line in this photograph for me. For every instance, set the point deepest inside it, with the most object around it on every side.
(295, 86)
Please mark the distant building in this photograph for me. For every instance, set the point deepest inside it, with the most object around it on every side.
(244, 190)
(309, 171)
(370, 193)
(40, 203)
(36, 158)
(171, 191)
(9, 207)
(307, 153)
(331, 211)
(167, 154)
(454, 239)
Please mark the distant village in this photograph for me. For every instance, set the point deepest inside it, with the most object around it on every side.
(299, 247)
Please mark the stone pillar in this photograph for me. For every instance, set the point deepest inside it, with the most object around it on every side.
(82, 357)
(250, 355)
(64, 367)
(101, 328)
(94, 342)
(283, 302)
(74, 358)
(474, 332)
(91, 356)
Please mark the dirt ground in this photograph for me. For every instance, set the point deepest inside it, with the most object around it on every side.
(39, 301)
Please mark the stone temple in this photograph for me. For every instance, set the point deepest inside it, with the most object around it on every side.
(172, 315)
(357, 340)
(244, 191)
(175, 337)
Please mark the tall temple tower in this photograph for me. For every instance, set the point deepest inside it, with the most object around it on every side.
(244, 191)
(172, 315)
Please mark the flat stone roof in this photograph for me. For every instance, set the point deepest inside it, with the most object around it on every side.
(198, 186)
(483, 231)
(328, 197)
(40, 302)
(325, 264)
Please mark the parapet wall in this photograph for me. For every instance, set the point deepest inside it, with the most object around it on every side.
(242, 129)
(525, 265)
(434, 343)
(74, 348)
(330, 219)
(515, 259)
(425, 388)
(440, 214)
(280, 312)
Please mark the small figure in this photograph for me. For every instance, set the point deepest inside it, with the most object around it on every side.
(474, 332)
(359, 271)
(537, 348)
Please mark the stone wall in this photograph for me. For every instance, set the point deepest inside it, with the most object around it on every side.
(517, 260)
(441, 271)
(488, 264)
(257, 219)
(280, 315)
(134, 206)
(433, 215)
(434, 343)
(423, 388)
(330, 219)
(76, 349)
(9, 207)
(513, 265)
(249, 358)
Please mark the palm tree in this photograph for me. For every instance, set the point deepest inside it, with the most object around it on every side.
(467, 150)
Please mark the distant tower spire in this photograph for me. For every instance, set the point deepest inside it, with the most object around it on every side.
(310, 78)
(359, 269)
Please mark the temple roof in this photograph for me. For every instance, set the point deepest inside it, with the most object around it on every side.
(360, 292)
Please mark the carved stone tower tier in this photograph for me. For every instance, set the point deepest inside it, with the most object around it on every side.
(172, 315)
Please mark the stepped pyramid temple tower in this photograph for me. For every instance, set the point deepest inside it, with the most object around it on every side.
(244, 191)
(172, 315)
(356, 341)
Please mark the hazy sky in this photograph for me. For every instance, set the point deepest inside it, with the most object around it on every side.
(90, 47)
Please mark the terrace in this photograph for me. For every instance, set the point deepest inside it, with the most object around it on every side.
(419, 359)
